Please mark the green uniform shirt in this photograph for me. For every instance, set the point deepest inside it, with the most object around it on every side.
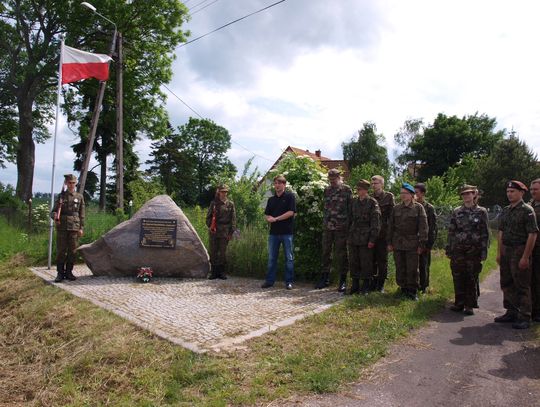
(365, 221)
(336, 207)
(432, 223)
(516, 223)
(407, 227)
(536, 206)
(468, 232)
(225, 217)
(71, 207)
(386, 203)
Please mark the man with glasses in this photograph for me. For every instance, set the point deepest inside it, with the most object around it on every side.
(68, 215)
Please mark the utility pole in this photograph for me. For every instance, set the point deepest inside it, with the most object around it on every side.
(119, 125)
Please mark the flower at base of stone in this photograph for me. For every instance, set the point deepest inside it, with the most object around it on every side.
(145, 274)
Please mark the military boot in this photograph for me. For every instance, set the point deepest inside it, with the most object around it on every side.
(364, 289)
(342, 283)
(521, 324)
(509, 316)
(323, 282)
(69, 272)
(59, 272)
(380, 285)
(213, 272)
(355, 288)
(221, 273)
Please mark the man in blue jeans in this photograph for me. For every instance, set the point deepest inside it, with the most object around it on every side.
(279, 212)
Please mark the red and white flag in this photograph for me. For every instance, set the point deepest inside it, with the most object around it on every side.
(78, 65)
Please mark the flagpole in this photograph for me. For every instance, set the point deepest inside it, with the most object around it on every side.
(51, 223)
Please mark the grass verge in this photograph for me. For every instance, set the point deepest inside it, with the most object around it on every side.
(56, 349)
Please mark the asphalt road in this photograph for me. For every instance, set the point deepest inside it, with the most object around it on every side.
(456, 360)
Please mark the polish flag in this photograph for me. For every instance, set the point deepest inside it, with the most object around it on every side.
(78, 65)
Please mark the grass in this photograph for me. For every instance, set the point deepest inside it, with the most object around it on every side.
(57, 349)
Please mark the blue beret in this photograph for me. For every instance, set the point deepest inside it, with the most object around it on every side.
(408, 187)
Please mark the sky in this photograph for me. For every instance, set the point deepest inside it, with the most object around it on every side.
(309, 73)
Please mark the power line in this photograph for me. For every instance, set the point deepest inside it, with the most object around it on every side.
(199, 3)
(194, 111)
(232, 22)
(202, 8)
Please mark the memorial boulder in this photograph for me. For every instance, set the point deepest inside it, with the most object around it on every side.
(159, 236)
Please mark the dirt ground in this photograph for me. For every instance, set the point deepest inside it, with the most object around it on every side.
(455, 361)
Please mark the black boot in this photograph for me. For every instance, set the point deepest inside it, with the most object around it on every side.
(323, 282)
(69, 272)
(213, 272)
(364, 289)
(59, 272)
(221, 273)
(342, 283)
(355, 288)
(380, 284)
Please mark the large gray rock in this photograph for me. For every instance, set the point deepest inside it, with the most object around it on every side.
(117, 253)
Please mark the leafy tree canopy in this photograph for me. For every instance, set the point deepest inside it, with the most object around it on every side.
(367, 148)
(447, 141)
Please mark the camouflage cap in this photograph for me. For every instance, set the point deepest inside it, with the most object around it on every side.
(334, 173)
(468, 188)
(363, 184)
(70, 177)
(223, 187)
(516, 185)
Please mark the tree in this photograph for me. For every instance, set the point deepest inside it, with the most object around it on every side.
(187, 161)
(448, 140)
(367, 148)
(511, 159)
(29, 42)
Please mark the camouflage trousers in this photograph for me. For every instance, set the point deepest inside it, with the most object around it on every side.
(465, 271)
(218, 250)
(424, 261)
(535, 283)
(406, 269)
(334, 241)
(380, 259)
(360, 262)
(515, 282)
(67, 242)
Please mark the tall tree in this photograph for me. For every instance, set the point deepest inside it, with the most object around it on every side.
(511, 159)
(448, 140)
(187, 161)
(29, 39)
(367, 148)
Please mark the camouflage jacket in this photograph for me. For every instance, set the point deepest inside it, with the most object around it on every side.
(407, 227)
(225, 218)
(432, 224)
(71, 207)
(336, 207)
(365, 221)
(516, 223)
(468, 233)
(536, 206)
(386, 203)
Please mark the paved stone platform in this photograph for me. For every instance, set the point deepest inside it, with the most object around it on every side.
(201, 315)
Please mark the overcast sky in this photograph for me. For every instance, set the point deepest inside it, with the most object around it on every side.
(309, 73)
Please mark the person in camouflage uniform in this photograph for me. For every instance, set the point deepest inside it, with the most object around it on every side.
(380, 260)
(535, 280)
(221, 222)
(468, 239)
(337, 200)
(365, 224)
(407, 237)
(68, 215)
(516, 237)
(424, 260)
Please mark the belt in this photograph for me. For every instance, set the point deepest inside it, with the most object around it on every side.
(67, 213)
(514, 244)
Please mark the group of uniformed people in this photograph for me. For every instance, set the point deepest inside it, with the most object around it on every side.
(359, 232)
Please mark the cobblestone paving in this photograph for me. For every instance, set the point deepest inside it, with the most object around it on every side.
(200, 315)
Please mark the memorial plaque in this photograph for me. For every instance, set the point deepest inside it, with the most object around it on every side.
(160, 233)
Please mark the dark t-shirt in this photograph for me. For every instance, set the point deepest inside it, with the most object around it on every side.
(278, 205)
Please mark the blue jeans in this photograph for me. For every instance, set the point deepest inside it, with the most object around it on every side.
(273, 251)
